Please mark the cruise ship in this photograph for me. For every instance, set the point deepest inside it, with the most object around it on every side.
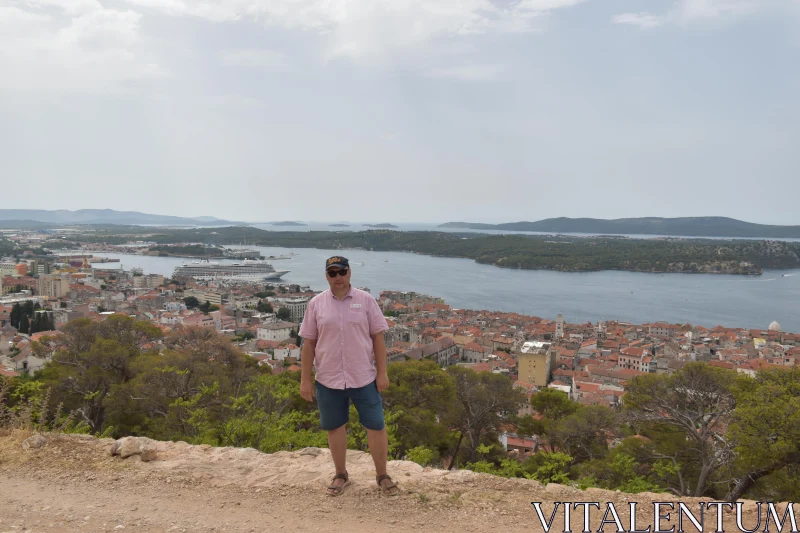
(243, 270)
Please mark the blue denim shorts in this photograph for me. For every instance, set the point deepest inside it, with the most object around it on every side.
(334, 406)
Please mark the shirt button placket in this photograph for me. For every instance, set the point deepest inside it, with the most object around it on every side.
(341, 340)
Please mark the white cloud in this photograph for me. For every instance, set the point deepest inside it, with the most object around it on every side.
(547, 5)
(369, 31)
(643, 20)
(470, 72)
(253, 58)
(692, 10)
(684, 12)
(71, 44)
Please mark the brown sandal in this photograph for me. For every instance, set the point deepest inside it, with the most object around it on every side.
(337, 490)
(391, 488)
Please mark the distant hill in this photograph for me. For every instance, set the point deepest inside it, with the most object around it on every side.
(102, 216)
(287, 223)
(339, 225)
(381, 226)
(687, 227)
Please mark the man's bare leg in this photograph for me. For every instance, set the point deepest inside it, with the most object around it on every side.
(337, 442)
(379, 449)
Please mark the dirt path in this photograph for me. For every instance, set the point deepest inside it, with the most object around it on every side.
(74, 484)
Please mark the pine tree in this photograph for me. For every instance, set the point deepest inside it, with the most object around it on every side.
(24, 324)
(37, 324)
(16, 314)
(51, 322)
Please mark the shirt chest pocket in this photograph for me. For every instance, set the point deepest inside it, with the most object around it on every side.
(356, 316)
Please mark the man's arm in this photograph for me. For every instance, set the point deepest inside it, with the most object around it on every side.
(379, 347)
(306, 362)
(307, 358)
(309, 333)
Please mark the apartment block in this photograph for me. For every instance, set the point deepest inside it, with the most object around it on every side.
(52, 286)
(535, 363)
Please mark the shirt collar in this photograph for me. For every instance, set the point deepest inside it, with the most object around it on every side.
(350, 294)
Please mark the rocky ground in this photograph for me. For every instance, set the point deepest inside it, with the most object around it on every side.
(74, 483)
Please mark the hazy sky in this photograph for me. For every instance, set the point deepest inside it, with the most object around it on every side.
(403, 110)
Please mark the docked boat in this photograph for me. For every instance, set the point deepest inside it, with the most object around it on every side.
(247, 269)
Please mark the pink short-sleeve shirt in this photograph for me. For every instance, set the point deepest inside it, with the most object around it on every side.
(344, 355)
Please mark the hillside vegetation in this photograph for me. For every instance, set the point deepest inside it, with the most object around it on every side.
(568, 254)
(732, 436)
(686, 226)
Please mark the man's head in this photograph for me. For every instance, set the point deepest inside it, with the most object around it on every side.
(337, 272)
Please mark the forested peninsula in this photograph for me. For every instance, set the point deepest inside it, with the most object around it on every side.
(562, 253)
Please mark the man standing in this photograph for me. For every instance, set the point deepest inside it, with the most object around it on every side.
(342, 335)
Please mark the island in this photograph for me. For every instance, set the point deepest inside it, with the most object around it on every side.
(565, 253)
(381, 226)
(684, 227)
(287, 223)
(188, 250)
(338, 225)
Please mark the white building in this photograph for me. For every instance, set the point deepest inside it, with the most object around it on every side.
(277, 331)
(296, 306)
(150, 281)
(8, 269)
(287, 351)
(212, 298)
(175, 307)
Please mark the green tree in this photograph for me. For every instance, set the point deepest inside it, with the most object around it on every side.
(24, 324)
(284, 313)
(268, 414)
(421, 455)
(90, 359)
(36, 323)
(548, 467)
(16, 315)
(528, 426)
(553, 404)
(484, 401)
(191, 302)
(584, 434)
(421, 395)
(264, 307)
(150, 401)
(765, 427)
(697, 401)
(246, 335)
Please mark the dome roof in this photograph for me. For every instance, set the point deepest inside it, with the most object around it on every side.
(775, 326)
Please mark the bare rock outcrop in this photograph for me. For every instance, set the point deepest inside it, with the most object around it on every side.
(140, 446)
(34, 442)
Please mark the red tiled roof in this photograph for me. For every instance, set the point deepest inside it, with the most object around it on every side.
(521, 443)
(8, 373)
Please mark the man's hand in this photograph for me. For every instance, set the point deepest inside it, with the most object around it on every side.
(382, 381)
(307, 389)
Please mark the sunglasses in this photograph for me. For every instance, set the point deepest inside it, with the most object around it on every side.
(334, 273)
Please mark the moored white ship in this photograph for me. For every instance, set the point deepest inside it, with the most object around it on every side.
(242, 270)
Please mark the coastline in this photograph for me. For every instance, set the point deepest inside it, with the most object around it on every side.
(755, 271)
